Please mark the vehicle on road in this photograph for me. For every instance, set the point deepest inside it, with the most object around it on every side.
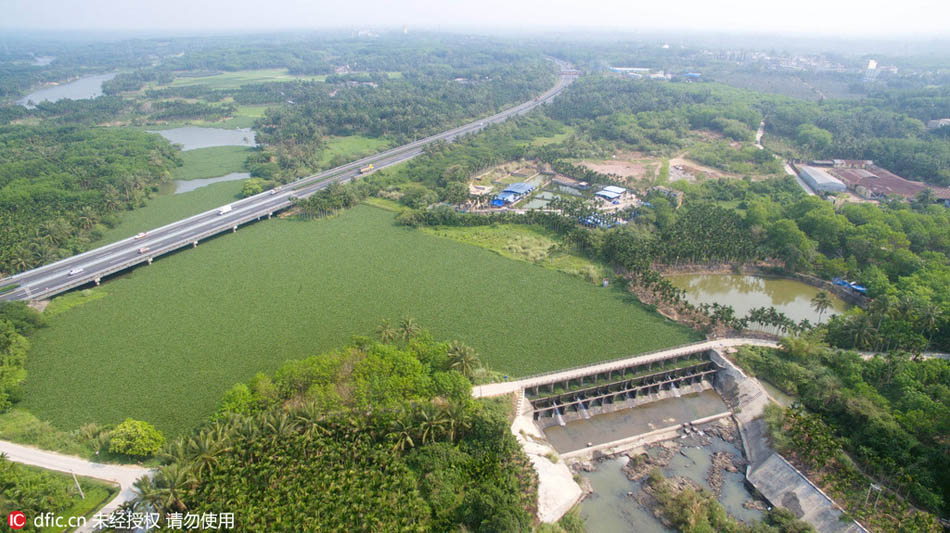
(224, 210)
(141, 235)
(143, 250)
(366, 169)
(75, 271)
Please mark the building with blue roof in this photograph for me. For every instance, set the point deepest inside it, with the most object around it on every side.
(511, 194)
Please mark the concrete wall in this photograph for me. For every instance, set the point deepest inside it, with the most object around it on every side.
(774, 477)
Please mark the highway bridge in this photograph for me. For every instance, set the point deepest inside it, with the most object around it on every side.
(92, 266)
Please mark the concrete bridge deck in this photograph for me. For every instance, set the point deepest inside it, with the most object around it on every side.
(507, 387)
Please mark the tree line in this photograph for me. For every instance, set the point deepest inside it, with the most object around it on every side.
(890, 413)
(61, 186)
(382, 434)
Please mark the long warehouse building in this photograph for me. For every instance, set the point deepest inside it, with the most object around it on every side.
(820, 180)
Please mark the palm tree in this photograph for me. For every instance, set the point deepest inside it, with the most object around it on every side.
(458, 419)
(386, 332)
(401, 431)
(930, 316)
(204, 450)
(463, 359)
(173, 482)
(147, 497)
(431, 421)
(409, 328)
(309, 418)
(175, 451)
(280, 426)
(821, 303)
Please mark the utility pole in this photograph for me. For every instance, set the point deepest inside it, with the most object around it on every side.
(867, 497)
(81, 495)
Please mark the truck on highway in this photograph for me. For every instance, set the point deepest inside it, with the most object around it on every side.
(366, 169)
(224, 210)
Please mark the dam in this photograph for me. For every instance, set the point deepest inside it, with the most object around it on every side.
(569, 420)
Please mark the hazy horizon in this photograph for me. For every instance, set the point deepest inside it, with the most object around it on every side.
(847, 19)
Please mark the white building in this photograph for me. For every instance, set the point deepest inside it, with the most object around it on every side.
(820, 180)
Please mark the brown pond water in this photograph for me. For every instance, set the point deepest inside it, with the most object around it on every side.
(745, 292)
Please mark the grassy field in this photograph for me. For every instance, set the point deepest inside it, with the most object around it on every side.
(352, 147)
(168, 208)
(233, 80)
(532, 244)
(211, 162)
(556, 138)
(243, 117)
(169, 339)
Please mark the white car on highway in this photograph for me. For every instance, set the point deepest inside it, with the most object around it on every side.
(73, 272)
(141, 235)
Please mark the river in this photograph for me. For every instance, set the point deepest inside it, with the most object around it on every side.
(193, 137)
(182, 186)
(83, 88)
(612, 507)
(744, 292)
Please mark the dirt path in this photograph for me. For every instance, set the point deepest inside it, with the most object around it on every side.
(679, 160)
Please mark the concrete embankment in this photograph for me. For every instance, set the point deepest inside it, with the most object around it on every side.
(774, 477)
(557, 490)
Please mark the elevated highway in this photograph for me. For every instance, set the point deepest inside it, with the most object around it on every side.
(92, 266)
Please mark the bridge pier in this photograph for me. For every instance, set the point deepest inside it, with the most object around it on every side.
(150, 260)
(97, 280)
(194, 244)
(234, 229)
(269, 215)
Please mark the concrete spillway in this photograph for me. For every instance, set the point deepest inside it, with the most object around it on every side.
(584, 412)
(581, 398)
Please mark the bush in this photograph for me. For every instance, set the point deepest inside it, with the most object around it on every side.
(136, 438)
(238, 399)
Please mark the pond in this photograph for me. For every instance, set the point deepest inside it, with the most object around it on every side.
(193, 137)
(540, 201)
(83, 88)
(744, 292)
(182, 186)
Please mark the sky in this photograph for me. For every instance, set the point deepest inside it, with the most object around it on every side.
(867, 18)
